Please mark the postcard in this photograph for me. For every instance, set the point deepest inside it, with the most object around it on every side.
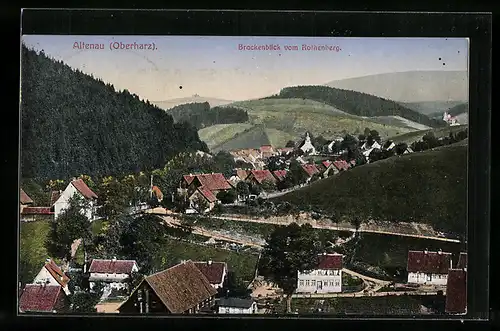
(209, 175)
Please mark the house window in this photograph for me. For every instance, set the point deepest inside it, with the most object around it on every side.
(429, 277)
(301, 282)
(307, 282)
(313, 283)
(332, 283)
(337, 283)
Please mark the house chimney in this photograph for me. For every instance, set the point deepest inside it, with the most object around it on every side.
(209, 262)
(426, 251)
(47, 260)
(440, 252)
(114, 258)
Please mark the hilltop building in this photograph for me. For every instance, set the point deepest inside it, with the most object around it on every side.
(326, 278)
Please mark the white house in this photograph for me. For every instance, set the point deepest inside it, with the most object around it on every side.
(236, 306)
(306, 146)
(326, 278)
(52, 274)
(391, 146)
(430, 268)
(408, 150)
(79, 187)
(113, 274)
(215, 272)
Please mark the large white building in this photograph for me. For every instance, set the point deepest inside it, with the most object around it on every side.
(52, 274)
(306, 146)
(78, 187)
(428, 268)
(326, 278)
(236, 306)
(113, 274)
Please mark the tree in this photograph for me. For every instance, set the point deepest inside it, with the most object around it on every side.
(134, 280)
(430, 140)
(268, 185)
(296, 174)
(234, 287)
(242, 189)
(224, 163)
(288, 250)
(71, 225)
(200, 204)
(375, 135)
(290, 143)
(275, 163)
(255, 189)
(85, 301)
(227, 197)
(113, 197)
(351, 145)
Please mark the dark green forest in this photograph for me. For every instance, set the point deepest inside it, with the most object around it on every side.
(355, 103)
(459, 109)
(73, 123)
(200, 115)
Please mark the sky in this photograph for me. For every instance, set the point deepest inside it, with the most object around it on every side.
(215, 67)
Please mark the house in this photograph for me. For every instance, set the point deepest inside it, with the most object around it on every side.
(204, 194)
(328, 169)
(213, 182)
(408, 150)
(332, 143)
(456, 292)
(29, 214)
(462, 261)
(242, 174)
(285, 151)
(279, 175)
(76, 186)
(310, 169)
(24, 200)
(260, 176)
(181, 289)
(43, 298)
(366, 146)
(326, 278)
(340, 165)
(306, 145)
(236, 306)
(113, 273)
(52, 274)
(390, 146)
(156, 192)
(215, 272)
(430, 268)
(266, 151)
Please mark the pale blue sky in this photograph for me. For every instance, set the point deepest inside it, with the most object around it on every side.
(214, 67)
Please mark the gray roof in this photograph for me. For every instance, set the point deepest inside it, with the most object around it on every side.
(235, 302)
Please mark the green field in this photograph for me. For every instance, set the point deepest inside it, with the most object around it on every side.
(417, 135)
(276, 121)
(243, 264)
(32, 253)
(428, 187)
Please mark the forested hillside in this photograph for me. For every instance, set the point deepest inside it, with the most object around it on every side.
(201, 115)
(73, 123)
(355, 103)
(459, 109)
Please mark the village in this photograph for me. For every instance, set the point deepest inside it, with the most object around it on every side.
(200, 286)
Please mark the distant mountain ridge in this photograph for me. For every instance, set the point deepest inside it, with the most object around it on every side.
(167, 104)
(410, 86)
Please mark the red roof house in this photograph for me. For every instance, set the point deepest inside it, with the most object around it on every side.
(213, 182)
(81, 187)
(456, 292)
(242, 174)
(310, 169)
(215, 272)
(157, 192)
(24, 198)
(330, 261)
(428, 262)
(279, 174)
(52, 274)
(112, 266)
(37, 211)
(266, 150)
(43, 298)
(259, 176)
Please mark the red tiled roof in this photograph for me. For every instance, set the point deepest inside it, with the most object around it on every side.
(262, 175)
(81, 187)
(266, 149)
(214, 182)
(214, 271)
(189, 178)
(157, 192)
(330, 261)
(54, 195)
(57, 273)
(37, 211)
(111, 266)
(209, 195)
(39, 298)
(279, 174)
(310, 169)
(242, 174)
(462, 261)
(326, 163)
(181, 287)
(430, 262)
(341, 165)
(456, 291)
(24, 198)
